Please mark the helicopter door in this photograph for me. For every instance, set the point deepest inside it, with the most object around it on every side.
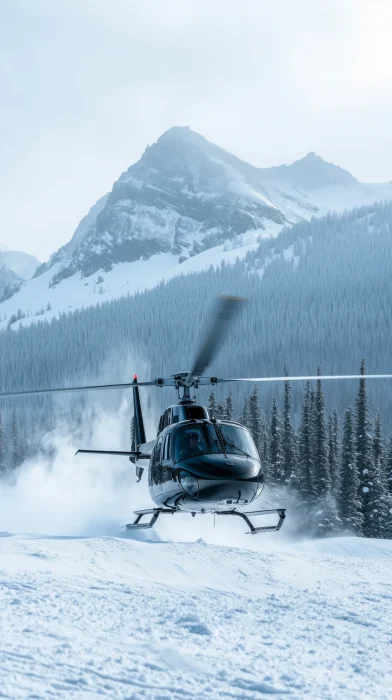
(167, 471)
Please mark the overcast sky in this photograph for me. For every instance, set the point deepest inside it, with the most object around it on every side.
(87, 84)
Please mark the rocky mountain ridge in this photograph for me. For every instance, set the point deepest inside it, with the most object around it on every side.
(186, 195)
(186, 204)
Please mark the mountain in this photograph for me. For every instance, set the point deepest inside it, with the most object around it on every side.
(10, 282)
(186, 204)
(22, 264)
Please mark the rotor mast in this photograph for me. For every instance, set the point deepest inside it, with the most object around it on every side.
(183, 387)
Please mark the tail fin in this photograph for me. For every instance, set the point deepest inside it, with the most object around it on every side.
(139, 434)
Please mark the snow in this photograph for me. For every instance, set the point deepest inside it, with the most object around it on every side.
(186, 610)
(125, 278)
(112, 617)
(336, 198)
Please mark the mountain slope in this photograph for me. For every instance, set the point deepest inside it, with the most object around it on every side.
(10, 283)
(319, 293)
(185, 205)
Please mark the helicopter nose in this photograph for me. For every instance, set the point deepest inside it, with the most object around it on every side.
(217, 466)
(228, 493)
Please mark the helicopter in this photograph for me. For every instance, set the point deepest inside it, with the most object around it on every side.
(197, 464)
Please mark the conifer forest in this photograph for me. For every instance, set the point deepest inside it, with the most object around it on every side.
(307, 306)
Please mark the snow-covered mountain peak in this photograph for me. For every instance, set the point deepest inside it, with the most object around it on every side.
(186, 204)
(185, 195)
(311, 173)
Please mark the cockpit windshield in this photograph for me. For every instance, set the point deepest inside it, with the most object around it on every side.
(202, 439)
(238, 441)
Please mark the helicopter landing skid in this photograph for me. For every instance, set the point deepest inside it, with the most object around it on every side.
(155, 512)
(255, 530)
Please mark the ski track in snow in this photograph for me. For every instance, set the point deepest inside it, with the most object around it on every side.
(111, 617)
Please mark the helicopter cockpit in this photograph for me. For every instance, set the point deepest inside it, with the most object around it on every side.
(206, 439)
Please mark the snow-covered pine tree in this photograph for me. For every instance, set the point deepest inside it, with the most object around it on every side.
(16, 457)
(364, 455)
(288, 437)
(244, 417)
(333, 451)
(378, 447)
(382, 499)
(256, 422)
(322, 480)
(3, 466)
(388, 466)
(229, 406)
(336, 445)
(349, 502)
(379, 504)
(276, 460)
(212, 405)
(220, 410)
(33, 441)
(326, 518)
(305, 480)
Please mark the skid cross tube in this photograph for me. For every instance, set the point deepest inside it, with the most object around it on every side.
(255, 530)
(155, 512)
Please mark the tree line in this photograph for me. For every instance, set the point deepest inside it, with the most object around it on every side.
(339, 472)
(338, 469)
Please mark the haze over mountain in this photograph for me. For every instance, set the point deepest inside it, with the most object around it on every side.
(15, 268)
(184, 205)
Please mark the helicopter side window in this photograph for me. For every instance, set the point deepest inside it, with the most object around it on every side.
(167, 449)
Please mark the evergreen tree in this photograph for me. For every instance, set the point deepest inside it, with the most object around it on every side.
(320, 456)
(305, 480)
(388, 466)
(288, 437)
(245, 416)
(377, 441)
(364, 452)
(16, 456)
(33, 442)
(220, 410)
(276, 460)
(333, 451)
(256, 423)
(212, 405)
(349, 502)
(326, 517)
(2, 448)
(379, 504)
(229, 406)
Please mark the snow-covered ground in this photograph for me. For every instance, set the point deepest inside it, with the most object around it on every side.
(113, 617)
(186, 610)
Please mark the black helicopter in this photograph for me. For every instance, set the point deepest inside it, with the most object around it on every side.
(197, 464)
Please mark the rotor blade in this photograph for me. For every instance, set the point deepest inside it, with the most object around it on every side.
(307, 378)
(225, 312)
(132, 453)
(34, 392)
